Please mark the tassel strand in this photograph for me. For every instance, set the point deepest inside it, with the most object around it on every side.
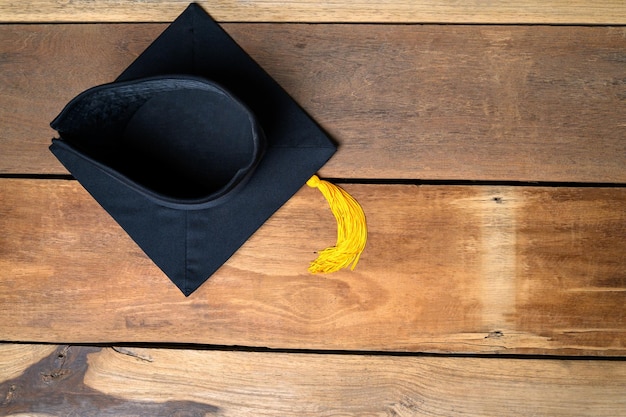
(351, 229)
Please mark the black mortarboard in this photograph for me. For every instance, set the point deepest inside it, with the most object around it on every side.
(191, 149)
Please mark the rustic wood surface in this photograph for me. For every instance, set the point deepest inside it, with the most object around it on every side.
(428, 102)
(472, 269)
(166, 382)
(463, 270)
(385, 11)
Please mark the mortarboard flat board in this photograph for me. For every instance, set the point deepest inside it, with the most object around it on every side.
(191, 149)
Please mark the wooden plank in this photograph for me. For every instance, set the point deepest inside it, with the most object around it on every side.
(388, 11)
(159, 382)
(429, 102)
(447, 269)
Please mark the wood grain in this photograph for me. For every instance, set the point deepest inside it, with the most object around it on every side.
(143, 381)
(17, 358)
(55, 386)
(429, 102)
(387, 11)
(464, 269)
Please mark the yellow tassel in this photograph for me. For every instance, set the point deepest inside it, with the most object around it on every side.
(351, 229)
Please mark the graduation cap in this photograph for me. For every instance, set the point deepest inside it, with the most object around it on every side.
(193, 147)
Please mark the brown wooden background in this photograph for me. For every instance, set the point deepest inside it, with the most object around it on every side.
(486, 143)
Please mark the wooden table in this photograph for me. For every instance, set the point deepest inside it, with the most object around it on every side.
(487, 146)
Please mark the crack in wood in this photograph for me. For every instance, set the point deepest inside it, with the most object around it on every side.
(132, 353)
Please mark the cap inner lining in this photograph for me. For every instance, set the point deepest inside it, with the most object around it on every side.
(181, 138)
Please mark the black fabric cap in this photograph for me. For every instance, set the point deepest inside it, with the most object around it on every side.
(191, 149)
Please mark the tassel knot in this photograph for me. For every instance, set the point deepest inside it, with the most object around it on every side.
(351, 229)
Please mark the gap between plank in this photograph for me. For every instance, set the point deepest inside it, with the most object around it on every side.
(388, 181)
(256, 349)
